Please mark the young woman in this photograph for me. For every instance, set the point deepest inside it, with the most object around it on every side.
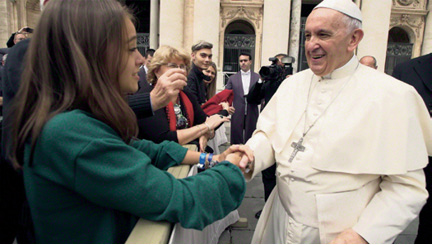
(182, 120)
(87, 178)
(211, 87)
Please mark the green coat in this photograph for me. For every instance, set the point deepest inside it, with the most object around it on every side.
(86, 185)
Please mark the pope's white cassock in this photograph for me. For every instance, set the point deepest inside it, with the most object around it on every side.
(362, 163)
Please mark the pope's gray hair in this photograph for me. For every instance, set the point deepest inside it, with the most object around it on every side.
(351, 23)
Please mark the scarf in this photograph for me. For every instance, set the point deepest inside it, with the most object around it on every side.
(172, 119)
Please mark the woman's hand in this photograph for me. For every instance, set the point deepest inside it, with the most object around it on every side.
(239, 155)
(214, 121)
(231, 110)
(167, 87)
(203, 139)
(225, 106)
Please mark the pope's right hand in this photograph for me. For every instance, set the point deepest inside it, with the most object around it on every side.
(239, 155)
(167, 87)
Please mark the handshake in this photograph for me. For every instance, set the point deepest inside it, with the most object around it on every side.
(239, 155)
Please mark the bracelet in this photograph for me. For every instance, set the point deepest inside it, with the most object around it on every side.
(202, 158)
(202, 163)
(207, 165)
(210, 157)
(207, 126)
(213, 163)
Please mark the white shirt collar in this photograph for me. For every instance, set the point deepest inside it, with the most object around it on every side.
(344, 70)
(245, 73)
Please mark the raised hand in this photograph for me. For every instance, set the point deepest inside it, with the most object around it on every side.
(214, 121)
(167, 88)
(225, 106)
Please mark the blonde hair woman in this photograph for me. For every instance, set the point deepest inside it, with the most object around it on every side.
(182, 120)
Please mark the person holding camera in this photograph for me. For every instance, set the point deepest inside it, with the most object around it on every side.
(261, 93)
(243, 121)
(18, 36)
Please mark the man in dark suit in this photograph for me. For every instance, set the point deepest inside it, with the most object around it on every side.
(143, 85)
(148, 56)
(243, 121)
(418, 73)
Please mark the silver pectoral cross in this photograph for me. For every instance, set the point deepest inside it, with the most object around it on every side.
(297, 147)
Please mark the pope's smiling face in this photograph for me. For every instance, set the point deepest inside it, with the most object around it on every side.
(327, 41)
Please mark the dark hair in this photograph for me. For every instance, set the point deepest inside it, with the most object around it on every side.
(72, 65)
(201, 45)
(246, 54)
(150, 52)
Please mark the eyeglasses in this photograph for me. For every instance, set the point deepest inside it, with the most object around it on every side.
(174, 65)
(182, 121)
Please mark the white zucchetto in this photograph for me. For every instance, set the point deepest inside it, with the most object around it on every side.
(346, 7)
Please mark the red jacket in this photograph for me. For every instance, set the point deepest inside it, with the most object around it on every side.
(212, 105)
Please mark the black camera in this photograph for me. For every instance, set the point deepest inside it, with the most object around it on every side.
(28, 29)
(275, 72)
(271, 72)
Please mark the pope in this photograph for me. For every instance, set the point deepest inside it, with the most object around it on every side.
(350, 143)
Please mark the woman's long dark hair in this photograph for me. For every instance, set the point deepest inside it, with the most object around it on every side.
(73, 62)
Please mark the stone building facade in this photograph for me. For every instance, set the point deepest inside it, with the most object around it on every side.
(395, 30)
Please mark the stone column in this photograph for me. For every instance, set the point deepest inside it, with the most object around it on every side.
(427, 41)
(276, 27)
(188, 37)
(376, 22)
(294, 43)
(171, 23)
(4, 24)
(206, 23)
(206, 27)
(154, 24)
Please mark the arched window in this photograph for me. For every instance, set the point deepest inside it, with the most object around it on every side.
(239, 37)
(399, 48)
(141, 10)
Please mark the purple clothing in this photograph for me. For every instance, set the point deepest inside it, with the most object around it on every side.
(239, 120)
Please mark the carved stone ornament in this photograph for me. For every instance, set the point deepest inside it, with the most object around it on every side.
(404, 3)
(241, 11)
(414, 22)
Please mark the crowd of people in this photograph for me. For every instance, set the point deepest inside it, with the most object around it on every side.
(90, 127)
